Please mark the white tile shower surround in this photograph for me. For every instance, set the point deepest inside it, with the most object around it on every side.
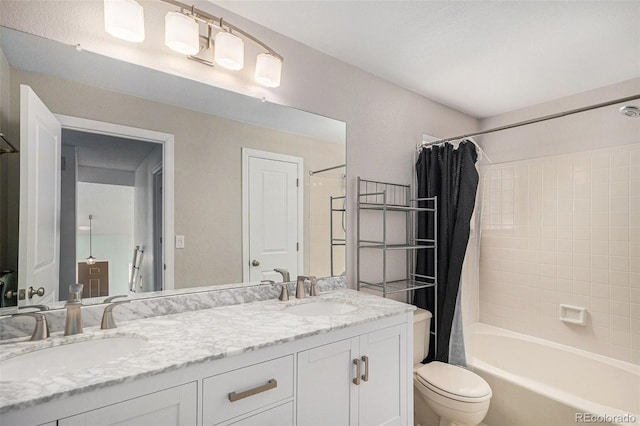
(564, 229)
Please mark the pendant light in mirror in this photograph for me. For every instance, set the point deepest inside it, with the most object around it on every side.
(124, 19)
(91, 260)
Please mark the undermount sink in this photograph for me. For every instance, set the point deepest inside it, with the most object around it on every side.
(320, 308)
(59, 360)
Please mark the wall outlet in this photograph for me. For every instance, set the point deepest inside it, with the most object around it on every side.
(179, 241)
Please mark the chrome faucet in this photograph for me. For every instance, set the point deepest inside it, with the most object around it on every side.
(284, 273)
(41, 330)
(301, 292)
(112, 298)
(107, 315)
(36, 307)
(73, 320)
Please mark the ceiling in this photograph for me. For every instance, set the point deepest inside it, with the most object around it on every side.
(482, 58)
(107, 152)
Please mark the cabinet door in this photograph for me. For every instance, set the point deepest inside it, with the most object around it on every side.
(382, 397)
(171, 407)
(326, 394)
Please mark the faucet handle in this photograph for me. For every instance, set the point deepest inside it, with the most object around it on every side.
(41, 330)
(313, 291)
(301, 292)
(284, 293)
(107, 316)
(75, 293)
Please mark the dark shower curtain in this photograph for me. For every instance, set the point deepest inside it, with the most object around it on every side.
(451, 175)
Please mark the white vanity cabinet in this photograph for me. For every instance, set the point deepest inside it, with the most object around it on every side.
(357, 381)
(306, 381)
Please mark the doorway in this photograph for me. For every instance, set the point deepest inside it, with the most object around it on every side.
(158, 193)
(95, 279)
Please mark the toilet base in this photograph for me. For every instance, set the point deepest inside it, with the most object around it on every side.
(423, 415)
(430, 411)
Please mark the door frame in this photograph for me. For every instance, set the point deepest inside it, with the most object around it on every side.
(167, 141)
(248, 153)
(158, 239)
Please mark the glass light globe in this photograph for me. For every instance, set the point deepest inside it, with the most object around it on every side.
(268, 70)
(229, 51)
(124, 19)
(181, 33)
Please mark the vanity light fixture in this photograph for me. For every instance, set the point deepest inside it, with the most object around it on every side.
(90, 260)
(124, 19)
(223, 44)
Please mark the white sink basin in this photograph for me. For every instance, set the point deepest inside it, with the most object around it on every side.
(320, 308)
(59, 360)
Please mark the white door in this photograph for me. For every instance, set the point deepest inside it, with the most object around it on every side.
(39, 234)
(272, 212)
(327, 395)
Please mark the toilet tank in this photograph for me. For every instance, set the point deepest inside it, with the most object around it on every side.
(421, 336)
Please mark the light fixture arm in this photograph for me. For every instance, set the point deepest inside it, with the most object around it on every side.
(214, 21)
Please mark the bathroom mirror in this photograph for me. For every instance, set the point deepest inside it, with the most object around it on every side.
(215, 134)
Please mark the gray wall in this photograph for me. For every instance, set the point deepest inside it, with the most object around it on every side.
(67, 220)
(4, 87)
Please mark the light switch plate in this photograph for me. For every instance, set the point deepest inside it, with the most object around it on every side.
(179, 241)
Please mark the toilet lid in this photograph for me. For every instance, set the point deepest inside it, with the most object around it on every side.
(453, 380)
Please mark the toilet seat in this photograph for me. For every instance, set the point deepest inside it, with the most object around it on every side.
(453, 382)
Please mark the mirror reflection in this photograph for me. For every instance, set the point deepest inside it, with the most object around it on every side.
(186, 185)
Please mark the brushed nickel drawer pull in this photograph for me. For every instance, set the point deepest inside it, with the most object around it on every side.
(271, 384)
(356, 362)
(365, 376)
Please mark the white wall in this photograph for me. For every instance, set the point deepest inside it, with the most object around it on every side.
(565, 229)
(384, 121)
(112, 229)
(599, 128)
(561, 225)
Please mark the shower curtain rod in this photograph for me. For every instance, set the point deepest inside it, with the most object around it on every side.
(313, 172)
(533, 120)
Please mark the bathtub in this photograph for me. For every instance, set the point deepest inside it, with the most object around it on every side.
(536, 382)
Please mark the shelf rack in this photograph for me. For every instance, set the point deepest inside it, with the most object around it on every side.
(392, 199)
(336, 242)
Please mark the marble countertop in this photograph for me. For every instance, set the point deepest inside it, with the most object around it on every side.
(188, 338)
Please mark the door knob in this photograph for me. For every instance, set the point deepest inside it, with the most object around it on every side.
(32, 291)
(255, 262)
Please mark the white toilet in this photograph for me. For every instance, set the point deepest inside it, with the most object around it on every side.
(459, 396)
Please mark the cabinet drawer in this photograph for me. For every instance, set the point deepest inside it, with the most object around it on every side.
(282, 415)
(253, 387)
